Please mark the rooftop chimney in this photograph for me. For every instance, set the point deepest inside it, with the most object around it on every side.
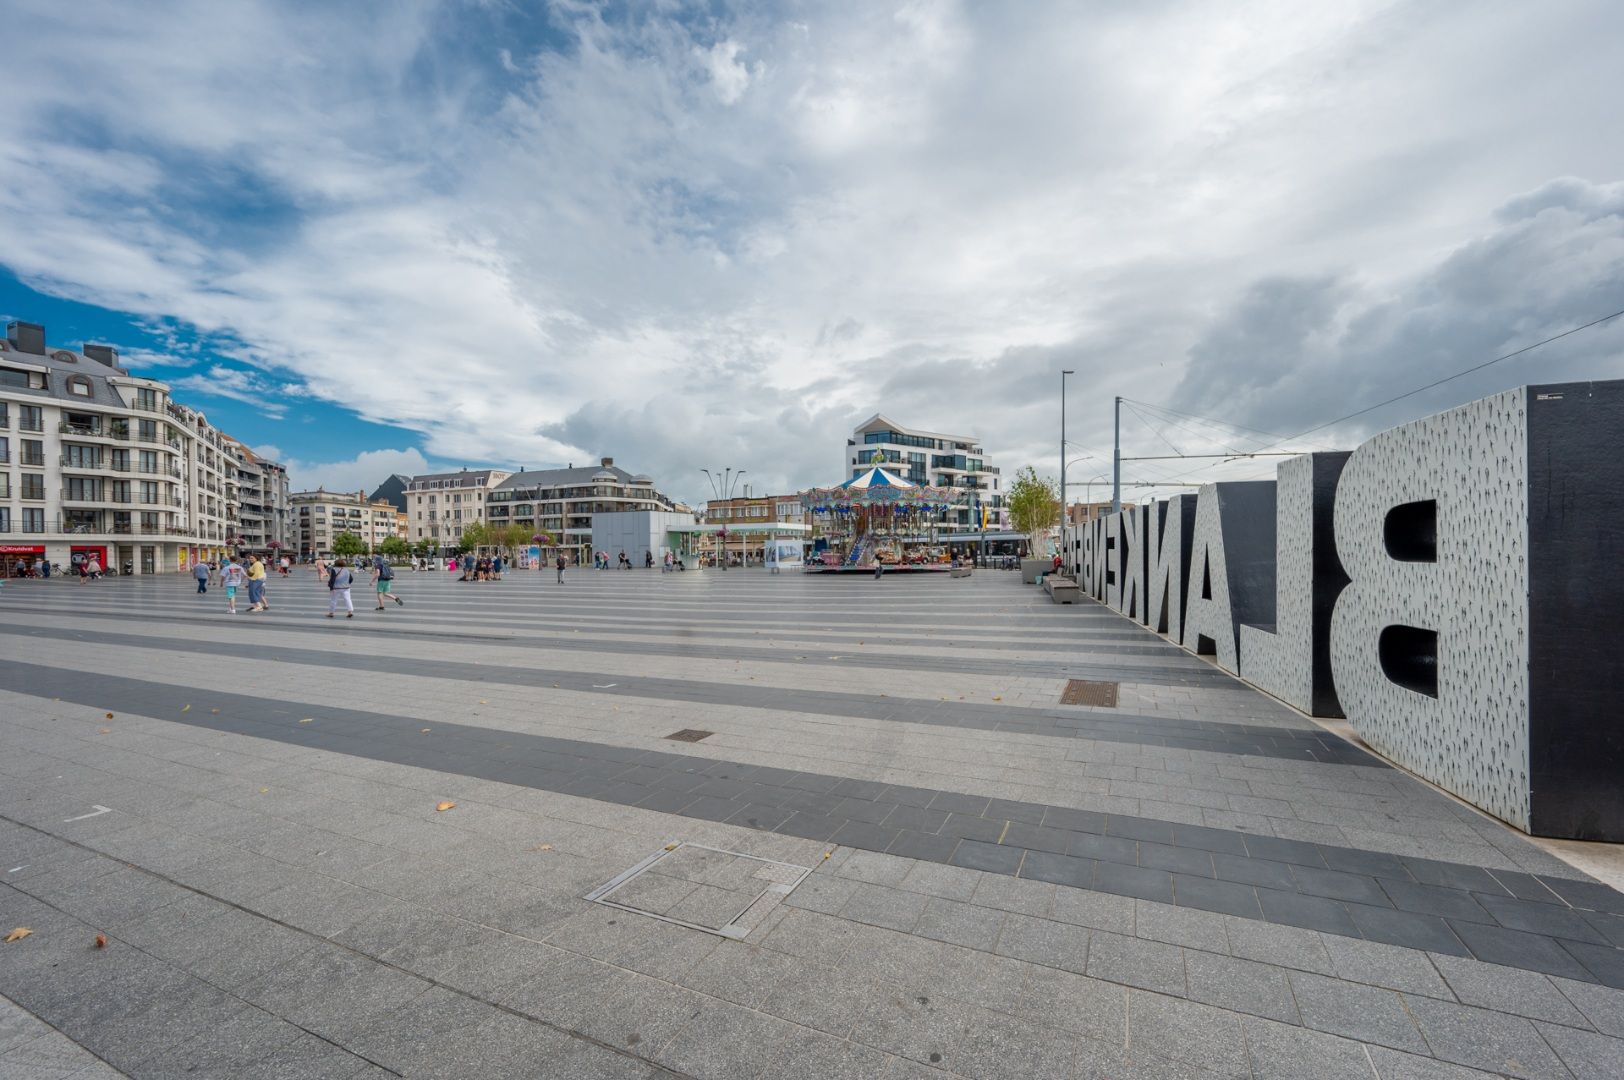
(102, 354)
(608, 461)
(26, 337)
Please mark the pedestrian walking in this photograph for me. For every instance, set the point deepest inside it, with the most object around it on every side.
(467, 567)
(200, 570)
(84, 571)
(561, 568)
(496, 567)
(648, 560)
(284, 565)
(383, 579)
(256, 585)
(339, 580)
(232, 577)
(670, 560)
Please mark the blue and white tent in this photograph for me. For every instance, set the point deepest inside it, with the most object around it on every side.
(876, 478)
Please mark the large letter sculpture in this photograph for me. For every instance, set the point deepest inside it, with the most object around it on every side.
(1477, 640)
(1168, 530)
(1231, 567)
(1292, 658)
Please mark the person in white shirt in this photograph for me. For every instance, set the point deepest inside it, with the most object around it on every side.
(232, 577)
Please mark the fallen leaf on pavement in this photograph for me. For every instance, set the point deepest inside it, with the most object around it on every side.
(186, 708)
(101, 941)
(446, 805)
(18, 934)
(104, 731)
(109, 716)
(216, 712)
(308, 720)
(998, 697)
(425, 731)
(264, 791)
(542, 847)
(482, 701)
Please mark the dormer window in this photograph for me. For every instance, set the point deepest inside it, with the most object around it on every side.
(63, 356)
(78, 385)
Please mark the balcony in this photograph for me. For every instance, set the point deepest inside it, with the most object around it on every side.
(92, 496)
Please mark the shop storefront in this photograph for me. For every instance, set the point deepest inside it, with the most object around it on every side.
(83, 553)
(18, 559)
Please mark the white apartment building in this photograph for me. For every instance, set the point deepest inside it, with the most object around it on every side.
(559, 503)
(440, 505)
(319, 516)
(95, 461)
(931, 458)
(264, 511)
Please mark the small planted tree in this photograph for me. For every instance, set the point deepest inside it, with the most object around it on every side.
(475, 534)
(423, 548)
(394, 547)
(1034, 506)
(347, 545)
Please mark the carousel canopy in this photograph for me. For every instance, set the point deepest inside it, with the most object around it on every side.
(875, 478)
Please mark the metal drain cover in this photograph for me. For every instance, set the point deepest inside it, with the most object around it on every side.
(720, 892)
(689, 734)
(1088, 692)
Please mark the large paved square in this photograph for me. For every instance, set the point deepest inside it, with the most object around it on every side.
(1196, 882)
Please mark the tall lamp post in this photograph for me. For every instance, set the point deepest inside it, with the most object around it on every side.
(1065, 517)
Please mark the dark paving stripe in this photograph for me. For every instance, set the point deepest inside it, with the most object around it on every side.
(1519, 920)
(1294, 744)
(1188, 673)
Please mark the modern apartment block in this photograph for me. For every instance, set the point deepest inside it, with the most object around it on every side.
(440, 505)
(321, 515)
(264, 509)
(95, 461)
(931, 458)
(559, 503)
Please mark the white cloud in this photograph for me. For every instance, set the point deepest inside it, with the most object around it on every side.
(364, 472)
(690, 242)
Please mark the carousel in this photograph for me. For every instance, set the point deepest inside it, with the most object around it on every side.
(876, 517)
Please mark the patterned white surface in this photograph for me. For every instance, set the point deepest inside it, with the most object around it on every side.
(1282, 663)
(1472, 739)
(1131, 562)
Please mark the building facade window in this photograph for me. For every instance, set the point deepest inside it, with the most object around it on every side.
(33, 519)
(78, 385)
(30, 418)
(33, 486)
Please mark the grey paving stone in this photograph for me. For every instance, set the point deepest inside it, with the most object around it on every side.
(948, 882)
(1485, 1040)
(912, 1024)
(1227, 897)
(1434, 900)
(1188, 1031)
(1387, 966)
(877, 905)
(642, 1015)
(1588, 1055)
(1541, 918)
(1058, 869)
(1044, 941)
(1103, 911)
(1514, 948)
(913, 845)
(970, 925)
(1180, 926)
(1014, 894)
(1395, 1065)
(1243, 986)
(813, 1056)
(1149, 965)
(742, 974)
(1356, 1011)
(826, 998)
(875, 868)
(822, 892)
(1075, 1003)
(1605, 963)
(1136, 881)
(1308, 912)
(992, 858)
(1603, 1006)
(1522, 993)
(996, 1046)
(1282, 1051)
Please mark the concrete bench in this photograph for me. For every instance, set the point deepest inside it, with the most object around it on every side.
(1062, 590)
(959, 571)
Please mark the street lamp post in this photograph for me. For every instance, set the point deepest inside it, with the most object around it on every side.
(1065, 516)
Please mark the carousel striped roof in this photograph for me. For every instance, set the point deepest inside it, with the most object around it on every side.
(876, 478)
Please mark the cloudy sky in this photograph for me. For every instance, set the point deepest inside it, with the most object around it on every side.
(393, 236)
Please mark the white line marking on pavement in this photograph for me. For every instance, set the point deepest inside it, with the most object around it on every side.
(14, 869)
(98, 810)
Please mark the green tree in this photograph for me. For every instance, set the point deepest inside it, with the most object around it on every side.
(395, 547)
(347, 544)
(1034, 505)
(476, 534)
(515, 537)
(423, 548)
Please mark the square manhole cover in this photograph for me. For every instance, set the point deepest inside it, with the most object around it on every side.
(1088, 692)
(721, 892)
(689, 734)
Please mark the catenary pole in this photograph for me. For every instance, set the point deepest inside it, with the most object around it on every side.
(1116, 460)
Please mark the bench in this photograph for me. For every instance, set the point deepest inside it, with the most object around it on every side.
(959, 571)
(1062, 590)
